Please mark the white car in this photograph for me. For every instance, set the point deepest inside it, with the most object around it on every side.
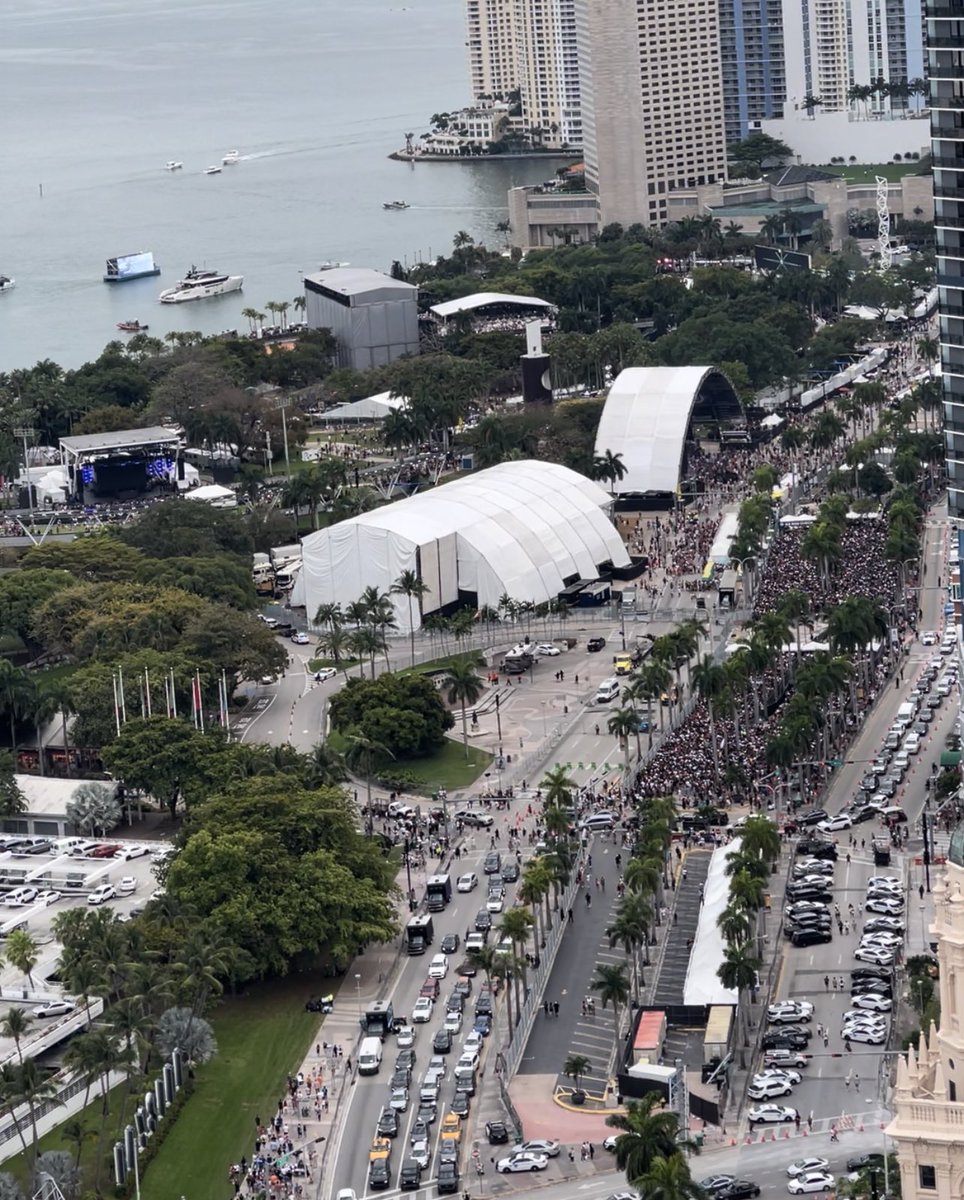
(21, 896)
(54, 1008)
(901, 761)
(872, 1003)
(101, 894)
(547, 649)
(47, 898)
(127, 885)
(405, 1038)
(832, 824)
(888, 881)
(814, 866)
(867, 1037)
(325, 673)
(777, 1073)
(467, 883)
(545, 1146)
(453, 1020)
(135, 852)
(790, 1010)
(803, 1165)
(301, 639)
(399, 1099)
(439, 967)
(346, 1194)
(495, 902)
(522, 1162)
(474, 1042)
(874, 954)
(882, 937)
(928, 638)
(769, 1089)
(812, 1181)
(766, 1114)
(468, 1058)
(890, 906)
(420, 1152)
(422, 1011)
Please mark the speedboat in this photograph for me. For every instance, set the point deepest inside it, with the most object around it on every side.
(231, 158)
(131, 327)
(171, 165)
(201, 285)
(214, 170)
(7, 284)
(395, 205)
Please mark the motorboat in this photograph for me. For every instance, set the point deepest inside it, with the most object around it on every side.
(213, 170)
(395, 205)
(332, 266)
(125, 267)
(231, 158)
(131, 327)
(171, 165)
(7, 284)
(201, 285)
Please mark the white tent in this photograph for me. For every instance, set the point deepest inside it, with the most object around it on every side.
(372, 408)
(702, 985)
(215, 495)
(522, 529)
(52, 487)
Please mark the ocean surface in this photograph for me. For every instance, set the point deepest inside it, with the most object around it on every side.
(97, 95)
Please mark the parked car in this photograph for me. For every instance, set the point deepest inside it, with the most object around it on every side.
(101, 894)
(766, 1114)
(54, 1008)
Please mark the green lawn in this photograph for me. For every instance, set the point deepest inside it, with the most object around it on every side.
(261, 1037)
(867, 173)
(434, 665)
(448, 767)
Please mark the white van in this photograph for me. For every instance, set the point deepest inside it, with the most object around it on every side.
(905, 715)
(607, 690)
(370, 1056)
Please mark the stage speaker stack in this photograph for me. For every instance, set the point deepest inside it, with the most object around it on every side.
(536, 383)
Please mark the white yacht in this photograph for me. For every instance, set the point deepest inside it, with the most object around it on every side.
(171, 165)
(214, 170)
(201, 285)
(231, 158)
(7, 284)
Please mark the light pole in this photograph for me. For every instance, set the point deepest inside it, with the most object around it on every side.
(358, 992)
(23, 432)
(282, 405)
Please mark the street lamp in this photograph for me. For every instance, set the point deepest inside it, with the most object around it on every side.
(358, 992)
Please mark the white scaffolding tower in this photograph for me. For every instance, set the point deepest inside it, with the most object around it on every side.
(883, 224)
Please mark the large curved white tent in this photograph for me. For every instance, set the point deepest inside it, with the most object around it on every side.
(521, 529)
(647, 414)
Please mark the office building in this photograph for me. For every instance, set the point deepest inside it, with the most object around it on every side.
(752, 60)
(945, 36)
(490, 29)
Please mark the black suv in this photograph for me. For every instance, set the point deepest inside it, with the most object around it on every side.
(447, 1179)
(379, 1176)
(493, 863)
(811, 937)
(496, 1132)
(811, 816)
(510, 871)
(739, 1189)
(442, 1042)
(595, 643)
(817, 848)
(410, 1176)
(483, 920)
(785, 1039)
(808, 891)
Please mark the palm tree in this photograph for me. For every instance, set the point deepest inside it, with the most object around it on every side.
(16, 695)
(515, 925)
(76, 1133)
(15, 1024)
(463, 686)
(649, 1132)
(557, 786)
(738, 972)
(60, 694)
(623, 724)
(252, 316)
(362, 751)
(33, 1088)
(734, 926)
(414, 588)
(759, 838)
(669, 1179)
(609, 466)
(612, 984)
(709, 680)
(575, 1066)
(22, 952)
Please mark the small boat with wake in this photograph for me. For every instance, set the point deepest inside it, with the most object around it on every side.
(395, 205)
(131, 327)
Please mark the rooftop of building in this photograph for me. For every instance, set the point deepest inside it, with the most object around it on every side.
(795, 175)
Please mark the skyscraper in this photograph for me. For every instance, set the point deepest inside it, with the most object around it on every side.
(651, 93)
(752, 59)
(490, 30)
(945, 38)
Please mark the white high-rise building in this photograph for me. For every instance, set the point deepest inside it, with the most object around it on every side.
(528, 46)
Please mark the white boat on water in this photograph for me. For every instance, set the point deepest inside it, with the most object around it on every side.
(201, 285)
(171, 165)
(395, 205)
(214, 170)
(231, 158)
(7, 284)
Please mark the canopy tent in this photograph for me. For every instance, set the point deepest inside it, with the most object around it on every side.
(215, 495)
(522, 529)
(702, 984)
(450, 308)
(372, 408)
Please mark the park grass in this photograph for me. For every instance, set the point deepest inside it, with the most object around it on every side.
(447, 768)
(867, 173)
(262, 1036)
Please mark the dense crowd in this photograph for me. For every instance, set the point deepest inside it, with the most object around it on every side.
(862, 569)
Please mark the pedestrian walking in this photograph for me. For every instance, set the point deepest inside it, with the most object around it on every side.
(555, 1008)
(796, 1121)
(570, 916)
(826, 983)
(592, 1151)
(856, 1081)
(572, 1154)
(833, 1133)
(826, 1039)
(810, 1121)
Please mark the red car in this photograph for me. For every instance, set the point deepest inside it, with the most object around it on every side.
(430, 988)
(108, 850)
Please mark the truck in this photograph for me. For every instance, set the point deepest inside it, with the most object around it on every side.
(438, 892)
(378, 1020)
(419, 933)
